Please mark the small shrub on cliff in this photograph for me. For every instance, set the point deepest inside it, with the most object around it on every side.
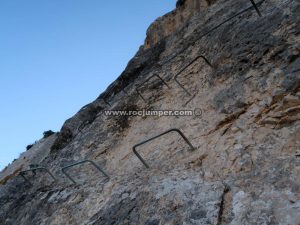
(29, 147)
(63, 139)
(123, 122)
(48, 133)
(180, 3)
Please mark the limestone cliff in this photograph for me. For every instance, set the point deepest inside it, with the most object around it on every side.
(169, 23)
(239, 72)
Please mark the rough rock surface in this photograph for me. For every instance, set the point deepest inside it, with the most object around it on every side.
(246, 165)
(167, 24)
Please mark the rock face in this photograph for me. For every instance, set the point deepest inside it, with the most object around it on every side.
(169, 23)
(241, 74)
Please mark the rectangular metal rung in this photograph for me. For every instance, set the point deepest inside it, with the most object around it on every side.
(140, 85)
(78, 163)
(184, 68)
(157, 136)
(22, 174)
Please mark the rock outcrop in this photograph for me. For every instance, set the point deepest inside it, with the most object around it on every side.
(169, 23)
(239, 73)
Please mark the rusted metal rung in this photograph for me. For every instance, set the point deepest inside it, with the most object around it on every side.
(183, 69)
(22, 174)
(150, 139)
(78, 163)
(139, 86)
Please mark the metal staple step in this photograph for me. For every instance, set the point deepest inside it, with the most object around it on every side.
(22, 173)
(140, 85)
(82, 162)
(157, 136)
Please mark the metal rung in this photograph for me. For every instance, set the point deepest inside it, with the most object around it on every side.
(22, 173)
(78, 163)
(255, 7)
(107, 102)
(155, 75)
(150, 139)
(182, 70)
(83, 125)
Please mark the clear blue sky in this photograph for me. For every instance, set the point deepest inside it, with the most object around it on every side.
(58, 55)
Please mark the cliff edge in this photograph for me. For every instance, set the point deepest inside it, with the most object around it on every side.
(235, 160)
